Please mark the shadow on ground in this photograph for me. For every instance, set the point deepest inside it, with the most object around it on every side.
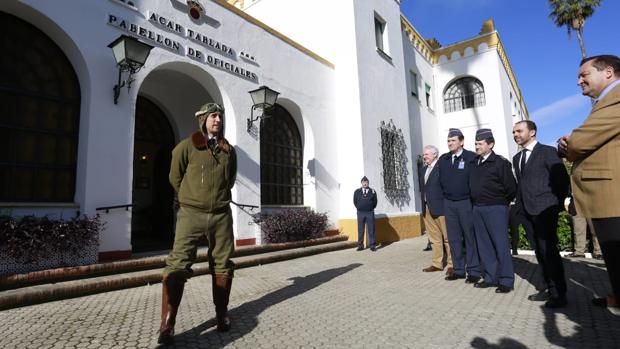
(585, 279)
(247, 314)
(504, 343)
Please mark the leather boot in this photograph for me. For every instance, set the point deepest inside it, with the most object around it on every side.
(172, 291)
(222, 283)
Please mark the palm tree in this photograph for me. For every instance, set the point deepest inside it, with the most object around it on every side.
(573, 15)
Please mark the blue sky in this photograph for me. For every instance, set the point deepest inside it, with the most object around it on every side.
(544, 59)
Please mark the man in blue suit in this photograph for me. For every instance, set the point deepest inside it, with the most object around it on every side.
(454, 170)
(542, 187)
(492, 187)
(365, 201)
(432, 211)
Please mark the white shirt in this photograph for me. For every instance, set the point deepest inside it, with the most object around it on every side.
(429, 169)
(456, 155)
(530, 148)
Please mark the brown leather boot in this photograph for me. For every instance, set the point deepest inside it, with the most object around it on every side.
(222, 283)
(172, 291)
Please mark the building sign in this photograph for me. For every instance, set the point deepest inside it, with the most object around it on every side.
(204, 51)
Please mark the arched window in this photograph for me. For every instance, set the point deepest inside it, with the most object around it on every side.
(281, 160)
(463, 93)
(39, 116)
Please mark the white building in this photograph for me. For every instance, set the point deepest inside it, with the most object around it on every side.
(361, 92)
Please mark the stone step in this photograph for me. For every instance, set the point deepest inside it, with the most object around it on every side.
(35, 294)
(144, 263)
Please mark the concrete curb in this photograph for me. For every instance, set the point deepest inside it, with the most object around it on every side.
(131, 265)
(77, 288)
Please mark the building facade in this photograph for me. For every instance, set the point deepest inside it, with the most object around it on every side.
(362, 99)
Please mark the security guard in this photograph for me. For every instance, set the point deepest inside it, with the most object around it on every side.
(202, 172)
(454, 172)
(365, 201)
(493, 187)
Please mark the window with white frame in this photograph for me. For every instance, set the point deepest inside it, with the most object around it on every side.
(381, 34)
(429, 99)
(463, 93)
(414, 83)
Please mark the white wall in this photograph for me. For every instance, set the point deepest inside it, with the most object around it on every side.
(484, 65)
(106, 133)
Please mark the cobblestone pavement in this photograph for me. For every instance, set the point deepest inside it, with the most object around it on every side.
(343, 299)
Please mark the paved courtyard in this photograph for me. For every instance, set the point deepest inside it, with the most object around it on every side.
(343, 299)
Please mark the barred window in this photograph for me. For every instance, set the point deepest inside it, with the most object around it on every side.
(394, 160)
(281, 160)
(39, 116)
(463, 93)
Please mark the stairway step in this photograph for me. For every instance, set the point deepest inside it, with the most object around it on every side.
(145, 263)
(29, 295)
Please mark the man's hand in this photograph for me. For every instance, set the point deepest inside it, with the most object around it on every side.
(563, 146)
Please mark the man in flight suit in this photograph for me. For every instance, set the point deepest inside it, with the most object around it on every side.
(202, 172)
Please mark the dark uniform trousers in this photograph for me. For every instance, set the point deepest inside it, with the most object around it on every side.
(491, 223)
(545, 226)
(366, 219)
(460, 225)
(192, 225)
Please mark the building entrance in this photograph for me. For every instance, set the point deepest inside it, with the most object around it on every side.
(152, 221)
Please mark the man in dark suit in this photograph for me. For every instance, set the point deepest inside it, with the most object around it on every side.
(454, 171)
(365, 201)
(542, 187)
(432, 211)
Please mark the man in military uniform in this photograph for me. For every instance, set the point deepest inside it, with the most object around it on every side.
(454, 172)
(202, 172)
(492, 187)
(365, 201)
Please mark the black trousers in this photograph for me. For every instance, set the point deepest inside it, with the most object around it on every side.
(607, 231)
(515, 219)
(545, 226)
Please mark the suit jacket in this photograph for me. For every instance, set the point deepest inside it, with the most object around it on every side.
(594, 148)
(432, 194)
(545, 180)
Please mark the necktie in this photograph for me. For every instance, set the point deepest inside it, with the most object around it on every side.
(454, 157)
(211, 143)
(522, 163)
(480, 161)
(365, 191)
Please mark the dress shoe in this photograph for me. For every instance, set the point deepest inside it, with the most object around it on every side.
(609, 301)
(575, 255)
(472, 279)
(484, 284)
(360, 249)
(373, 249)
(541, 296)
(427, 248)
(503, 289)
(453, 277)
(556, 302)
(431, 269)
(450, 271)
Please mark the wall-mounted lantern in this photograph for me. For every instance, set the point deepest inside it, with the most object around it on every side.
(263, 98)
(130, 55)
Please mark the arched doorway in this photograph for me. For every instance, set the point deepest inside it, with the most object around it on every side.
(152, 214)
(281, 164)
(39, 117)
